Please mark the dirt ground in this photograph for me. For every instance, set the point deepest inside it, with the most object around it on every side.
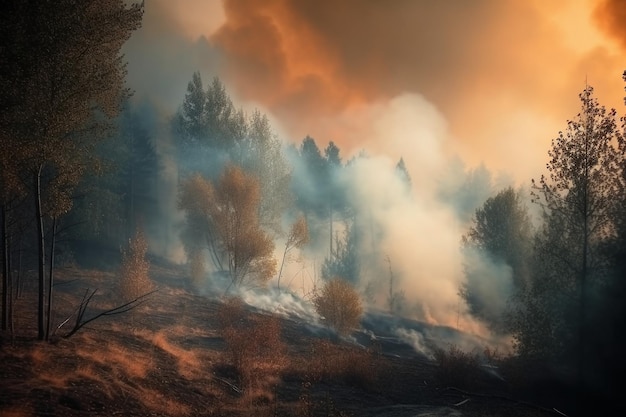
(169, 358)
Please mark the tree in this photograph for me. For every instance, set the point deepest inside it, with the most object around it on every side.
(260, 155)
(235, 213)
(63, 78)
(339, 305)
(298, 236)
(403, 174)
(344, 259)
(12, 194)
(209, 128)
(228, 215)
(213, 133)
(497, 249)
(312, 182)
(579, 202)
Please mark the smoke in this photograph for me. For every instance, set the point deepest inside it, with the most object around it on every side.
(416, 340)
(488, 287)
(447, 86)
(610, 16)
(413, 236)
(504, 74)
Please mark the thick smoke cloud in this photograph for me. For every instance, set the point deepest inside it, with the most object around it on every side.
(503, 73)
(446, 85)
(610, 16)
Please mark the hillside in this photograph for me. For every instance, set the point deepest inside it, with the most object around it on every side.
(169, 358)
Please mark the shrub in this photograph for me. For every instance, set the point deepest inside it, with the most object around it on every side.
(339, 305)
(253, 345)
(456, 367)
(134, 279)
(353, 366)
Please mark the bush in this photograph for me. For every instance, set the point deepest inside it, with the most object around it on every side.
(253, 346)
(339, 305)
(134, 279)
(353, 366)
(456, 367)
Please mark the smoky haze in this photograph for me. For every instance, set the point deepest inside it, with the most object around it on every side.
(468, 94)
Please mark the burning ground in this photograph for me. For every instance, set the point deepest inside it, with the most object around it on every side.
(172, 357)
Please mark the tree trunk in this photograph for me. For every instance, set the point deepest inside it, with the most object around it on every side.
(19, 283)
(41, 313)
(51, 278)
(582, 314)
(282, 264)
(5, 270)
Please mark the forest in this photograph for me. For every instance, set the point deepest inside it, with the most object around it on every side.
(92, 179)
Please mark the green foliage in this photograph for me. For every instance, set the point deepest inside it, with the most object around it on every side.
(580, 201)
(339, 305)
(63, 82)
(344, 260)
(212, 134)
(497, 246)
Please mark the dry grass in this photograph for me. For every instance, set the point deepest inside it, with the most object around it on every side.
(18, 411)
(162, 404)
(353, 366)
(177, 365)
(253, 347)
(188, 362)
(103, 380)
(456, 367)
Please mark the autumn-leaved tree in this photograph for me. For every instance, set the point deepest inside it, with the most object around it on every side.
(62, 78)
(226, 214)
(339, 305)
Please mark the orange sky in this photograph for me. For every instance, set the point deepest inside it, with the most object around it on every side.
(499, 77)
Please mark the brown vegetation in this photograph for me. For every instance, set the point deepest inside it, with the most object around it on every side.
(339, 305)
(134, 279)
(187, 355)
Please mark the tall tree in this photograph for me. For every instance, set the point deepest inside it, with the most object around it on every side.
(62, 77)
(260, 155)
(579, 201)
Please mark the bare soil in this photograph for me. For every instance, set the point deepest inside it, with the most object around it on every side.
(167, 358)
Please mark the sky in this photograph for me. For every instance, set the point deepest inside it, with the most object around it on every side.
(489, 81)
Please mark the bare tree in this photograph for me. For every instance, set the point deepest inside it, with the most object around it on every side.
(298, 237)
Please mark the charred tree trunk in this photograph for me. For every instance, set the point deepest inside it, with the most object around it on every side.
(5, 270)
(41, 258)
(51, 277)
